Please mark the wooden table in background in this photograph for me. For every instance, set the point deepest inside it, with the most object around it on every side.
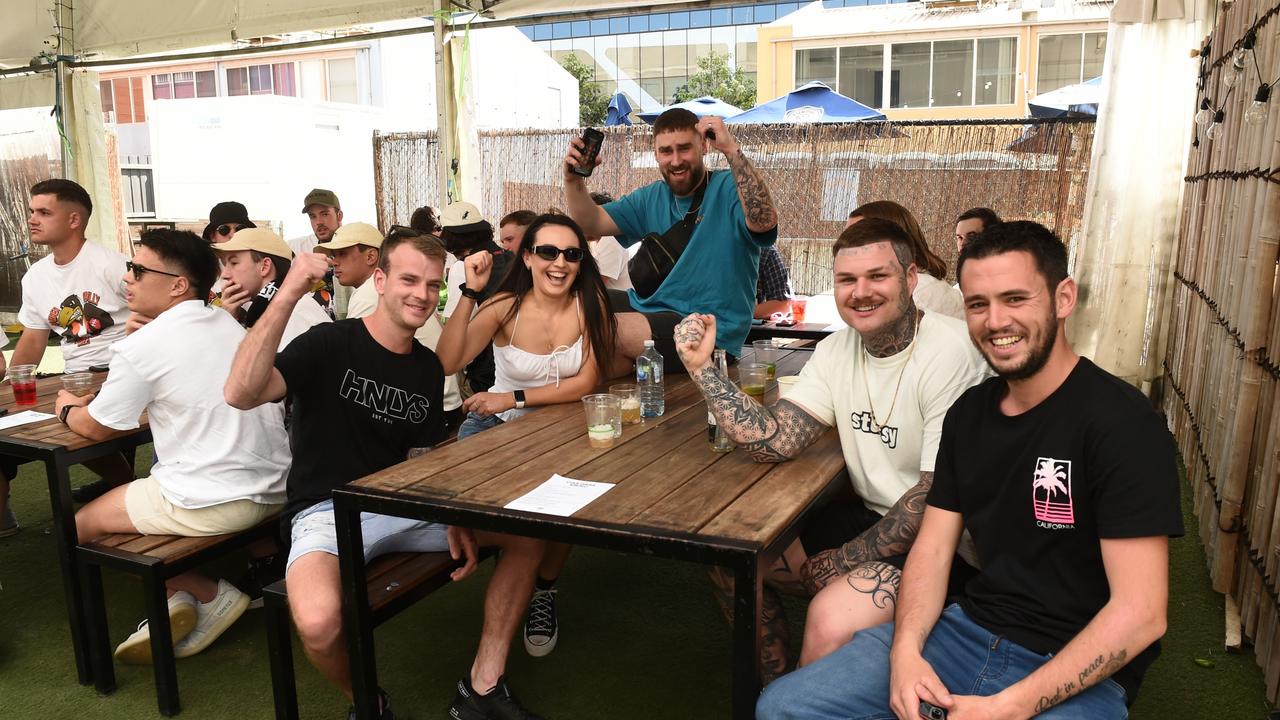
(803, 331)
(54, 444)
(674, 498)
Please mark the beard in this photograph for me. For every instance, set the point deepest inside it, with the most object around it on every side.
(1038, 354)
(686, 187)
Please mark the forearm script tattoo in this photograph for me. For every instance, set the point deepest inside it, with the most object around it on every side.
(1095, 672)
(757, 205)
(767, 435)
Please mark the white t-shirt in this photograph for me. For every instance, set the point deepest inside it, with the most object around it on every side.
(457, 276)
(833, 388)
(364, 300)
(82, 302)
(210, 453)
(304, 244)
(934, 295)
(612, 259)
(306, 315)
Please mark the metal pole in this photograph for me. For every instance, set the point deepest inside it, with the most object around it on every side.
(65, 32)
(444, 126)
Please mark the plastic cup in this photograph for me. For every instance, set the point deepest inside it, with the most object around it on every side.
(767, 354)
(80, 383)
(604, 419)
(22, 378)
(629, 398)
(797, 309)
(785, 383)
(753, 378)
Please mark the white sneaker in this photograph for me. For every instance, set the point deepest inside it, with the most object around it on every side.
(136, 649)
(215, 617)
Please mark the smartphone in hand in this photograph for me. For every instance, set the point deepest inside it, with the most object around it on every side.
(592, 139)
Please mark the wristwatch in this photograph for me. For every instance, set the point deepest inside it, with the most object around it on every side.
(519, 398)
(468, 292)
(66, 409)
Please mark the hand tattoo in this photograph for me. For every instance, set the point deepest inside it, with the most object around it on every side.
(757, 205)
(767, 435)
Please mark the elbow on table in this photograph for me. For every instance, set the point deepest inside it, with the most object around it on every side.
(238, 397)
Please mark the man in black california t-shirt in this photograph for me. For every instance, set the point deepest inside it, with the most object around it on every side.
(376, 396)
(1066, 479)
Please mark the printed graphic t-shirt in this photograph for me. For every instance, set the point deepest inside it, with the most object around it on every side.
(359, 411)
(1038, 491)
(82, 302)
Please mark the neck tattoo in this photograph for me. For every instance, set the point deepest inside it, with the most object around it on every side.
(876, 424)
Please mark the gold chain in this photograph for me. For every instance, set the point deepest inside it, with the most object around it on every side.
(875, 425)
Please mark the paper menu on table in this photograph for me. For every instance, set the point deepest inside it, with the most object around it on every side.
(23, 418)
(560, 496)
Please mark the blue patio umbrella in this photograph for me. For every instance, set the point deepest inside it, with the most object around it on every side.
(814, 102)
(619, 109)
(1078, 99)
(705, 105)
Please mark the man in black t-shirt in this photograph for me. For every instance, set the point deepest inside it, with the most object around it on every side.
(1066, 480)
(376, 397)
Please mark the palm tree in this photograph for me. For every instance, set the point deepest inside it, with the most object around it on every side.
(1049, 478)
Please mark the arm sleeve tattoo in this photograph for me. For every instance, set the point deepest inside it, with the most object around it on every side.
(767, 435)
(757, 205)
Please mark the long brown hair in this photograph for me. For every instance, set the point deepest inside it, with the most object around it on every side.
(925, 259)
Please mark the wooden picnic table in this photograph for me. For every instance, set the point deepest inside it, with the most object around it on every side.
(802, 331)
(674, 498)
(54, 444)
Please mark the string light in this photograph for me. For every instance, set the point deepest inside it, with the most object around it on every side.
(1258, 110)
(1205, 114)
(1215, 128)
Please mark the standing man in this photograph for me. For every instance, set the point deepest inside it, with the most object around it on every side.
(368, 360)
(254, 263)
(354, 251)
(325, 213)
(885, 382)
(1066, 480)
(717, 271)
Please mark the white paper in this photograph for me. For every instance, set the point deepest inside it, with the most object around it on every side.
(23, 418)
(560, 496)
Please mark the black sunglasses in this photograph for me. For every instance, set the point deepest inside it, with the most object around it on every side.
(551, 252)
(140, 270)
(225, 229)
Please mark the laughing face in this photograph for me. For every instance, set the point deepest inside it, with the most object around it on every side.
(553, 277)
(410, 288)
(872, 290)
(1014, 317)
(679, 154)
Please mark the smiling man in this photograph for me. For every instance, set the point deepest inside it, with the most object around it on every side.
(885, 383)
(733, 218)
(1065, 478)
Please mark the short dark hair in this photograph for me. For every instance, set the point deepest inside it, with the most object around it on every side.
(279, 264)
(986, 215)
(675, 119)
(601, 198)
(424, 219)
(1045, 248)
(425, 243)
(469, 240)
(519, 217)
(66, 191)
(869, 231)
(194, 258)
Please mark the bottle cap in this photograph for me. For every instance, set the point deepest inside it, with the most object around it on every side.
(648, 343)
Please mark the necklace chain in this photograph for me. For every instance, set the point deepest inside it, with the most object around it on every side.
(876, 425)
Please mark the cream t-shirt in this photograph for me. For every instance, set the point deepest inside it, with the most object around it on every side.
(934, 295)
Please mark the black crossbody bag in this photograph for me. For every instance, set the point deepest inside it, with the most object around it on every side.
(658, 254)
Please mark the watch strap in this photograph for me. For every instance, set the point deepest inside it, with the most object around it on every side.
(66, 410)
(519, 394)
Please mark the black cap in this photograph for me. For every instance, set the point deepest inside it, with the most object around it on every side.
(227, 212)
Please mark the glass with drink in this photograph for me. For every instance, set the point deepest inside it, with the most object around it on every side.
(766, 354)
(797, 309)
(629, 398)
(604, 419)
(80, 383)
(23, 380)
(752, 378)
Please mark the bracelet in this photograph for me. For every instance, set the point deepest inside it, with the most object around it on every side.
(468, 292)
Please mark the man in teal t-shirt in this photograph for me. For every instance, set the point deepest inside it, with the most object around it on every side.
(717, 272)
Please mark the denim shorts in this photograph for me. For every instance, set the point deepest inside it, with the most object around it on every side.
(477, 424)
(313, 530)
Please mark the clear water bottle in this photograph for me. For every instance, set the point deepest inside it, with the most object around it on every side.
(715, 434)
(649, 378)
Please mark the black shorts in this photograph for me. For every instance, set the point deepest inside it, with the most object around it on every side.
(843, 520)
(662, 329)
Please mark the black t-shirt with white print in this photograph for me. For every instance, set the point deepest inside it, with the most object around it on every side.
(1038, 491)
(357, 407)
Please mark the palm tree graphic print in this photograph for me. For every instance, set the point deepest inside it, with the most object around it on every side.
(1051, 491)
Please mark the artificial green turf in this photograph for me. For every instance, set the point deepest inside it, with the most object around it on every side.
(640, 638)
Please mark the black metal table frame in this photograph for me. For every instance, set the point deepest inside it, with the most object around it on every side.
(746, 560)
(57, 462)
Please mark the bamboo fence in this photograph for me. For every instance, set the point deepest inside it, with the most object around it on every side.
(1221, 359)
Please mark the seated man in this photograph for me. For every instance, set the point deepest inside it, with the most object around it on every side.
(366, 360)
(1065, 478)
(610, 256)
(970, 224)
(464, 232)
(354, 252)
(885, 382)
(511, 228)
(220, 470)
(254, 263)
(772, 291)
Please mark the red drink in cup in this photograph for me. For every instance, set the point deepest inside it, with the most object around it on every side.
(797, 309)
(23, 380)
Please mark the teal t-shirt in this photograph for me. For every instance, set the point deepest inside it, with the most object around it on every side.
(716, 273)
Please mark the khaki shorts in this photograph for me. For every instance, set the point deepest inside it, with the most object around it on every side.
(152, 513)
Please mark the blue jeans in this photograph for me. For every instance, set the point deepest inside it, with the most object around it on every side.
(477, 423)
(852, 683)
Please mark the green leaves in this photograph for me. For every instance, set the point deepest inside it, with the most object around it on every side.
(593, 103)
(714, 78)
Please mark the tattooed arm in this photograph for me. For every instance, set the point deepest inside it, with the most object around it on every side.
(892, 535)
(757, 205)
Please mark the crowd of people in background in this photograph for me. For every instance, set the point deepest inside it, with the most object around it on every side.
(1009, 502)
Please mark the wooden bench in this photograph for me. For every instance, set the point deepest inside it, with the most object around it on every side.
(154, 559)
(396, 581)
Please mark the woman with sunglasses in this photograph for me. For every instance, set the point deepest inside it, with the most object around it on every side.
(549, 322)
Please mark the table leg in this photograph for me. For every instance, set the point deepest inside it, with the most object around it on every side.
(747, 589)
(64, 530)
(356, 615)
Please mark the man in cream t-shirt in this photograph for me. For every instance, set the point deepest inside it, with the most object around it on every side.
(885, 383)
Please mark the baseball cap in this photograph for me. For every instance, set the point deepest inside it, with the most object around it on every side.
(349, 234)
(321, 197)
(462, 217)
(259, 240)
(227, 212)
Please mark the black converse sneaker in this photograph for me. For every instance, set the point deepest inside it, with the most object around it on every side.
(541, 629)
(499, 704)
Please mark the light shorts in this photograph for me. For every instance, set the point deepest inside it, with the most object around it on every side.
(313, 530)
(152, 513)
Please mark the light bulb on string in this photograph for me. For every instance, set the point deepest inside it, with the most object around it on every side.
(1215, 128)
(1204, 115)
(1232, 76)
(1257, 112)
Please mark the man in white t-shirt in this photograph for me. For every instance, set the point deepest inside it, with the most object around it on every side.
(885, 383)
(325, 213)
(254, 262)
(219, 469)
(76, 293)
(354, 251)
(610, 256)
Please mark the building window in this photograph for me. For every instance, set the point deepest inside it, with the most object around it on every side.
(816, 65)
(274, 79)
(183, 85)
(342, 80)
(862, 74)
(909, 64)
(997, 69)
(123, 100)
(1069, 59)
(952, 73)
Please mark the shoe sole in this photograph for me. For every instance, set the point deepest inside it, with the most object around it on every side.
(215, 631)
(541, 650)
(136, 650)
